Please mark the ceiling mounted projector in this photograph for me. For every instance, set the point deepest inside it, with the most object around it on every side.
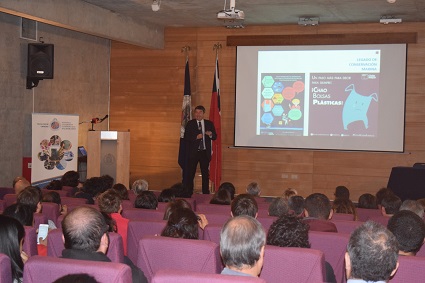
(231, 13)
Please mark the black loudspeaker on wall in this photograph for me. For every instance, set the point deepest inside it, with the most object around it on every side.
(40, 63)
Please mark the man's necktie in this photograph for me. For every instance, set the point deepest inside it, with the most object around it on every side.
(201, 142)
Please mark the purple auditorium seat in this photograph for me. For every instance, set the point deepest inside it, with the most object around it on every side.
(364, 214)
(138, 229)
(30, 241)
(383, 220)
(115, 252)
(5, 269)
(343, 216)
(162, 206)
(295, 265)
(207, 208)
(9, 199)
(70, 191)
(212, 233)
(60, 192)
(421, 252)
(132, 196)
(156, 252)
(347, 227)
(217, 218)
(51, 211)
(5, 191)
(48, 269)
(202, 198)
(333, 246)
(143, 214)
(266, 221)
(39, 218)
(411, 269)
(127, 204)
(179, 276)
(73, 201)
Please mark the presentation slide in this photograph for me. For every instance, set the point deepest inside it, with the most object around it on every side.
(348, 97)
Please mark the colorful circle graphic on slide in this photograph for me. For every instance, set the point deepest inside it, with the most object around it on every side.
(298, 86)
(55, 153)
(295, 114)
(288, 93)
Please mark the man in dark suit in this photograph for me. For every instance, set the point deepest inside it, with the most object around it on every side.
(198, 135)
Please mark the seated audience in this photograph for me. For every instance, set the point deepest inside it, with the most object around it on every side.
(111, 208)
(146, 200)
(22, 213)
(184, 223)
(342, 192)
(19, 184)
(253, 189)
(221, 197)
(85, 238)
(140, 186)
(367, 201)
(181, 190)
(381, 194)
(166, 195)
(30, 196)
(317, 212)
(54, 185)
(296, 204)
(107, 181)
(228, 187)
(244, 204)
(242, 242)
(72, 179)
(289, 193)
(55, 198)
(278, 207)
(346, 206)
(121, 191)
(91, 189)
(12, 235)
(413, 206)
(372, 254)
(390, 204)
(176, 204)
(409, 230)
(290, 231)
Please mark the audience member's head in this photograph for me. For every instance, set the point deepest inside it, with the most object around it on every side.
(121, 190)
(278, 207)
(110, 202)
(317, 205)
(84, 228)
(380, 194)
(146, 200)
(12, 234)
(372, 253)
(19, 184)
(413, 206)
(107, 181)
(242, 241)
(342, 192)
(52, 197)
(367, 201)
(288, 231)
(346, 206)
(30, 196)
(228, 187)
(54, 185)
(180, 190)
(390, 204)
(22, 213)
(253, 189)
(174, 205)
(76, 278)
(93, 186)
(182, 223)
(166, 195)
(289, 193)
(244, 204)
(71, 179)
(421, 201)
(140, 186)
(221, 197)
(409, 229)
(296, 204)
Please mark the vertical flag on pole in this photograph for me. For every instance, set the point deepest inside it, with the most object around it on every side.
(185, 117)
(215, 117)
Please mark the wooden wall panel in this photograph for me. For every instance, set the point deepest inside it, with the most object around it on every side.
(146, 97)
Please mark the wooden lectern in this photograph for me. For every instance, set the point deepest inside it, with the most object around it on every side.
(108, 152)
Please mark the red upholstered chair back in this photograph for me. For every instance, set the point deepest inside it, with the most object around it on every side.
(179, 276)
(138, 229)
(411, 269)
(39, 218)
(364, 214)
(217, 218)
(127, 204)
(383, 220)
(343, 216)
(202, 198)
(51, 211)
(212, 233)
(207, 208)
(55, 246)
(73, 201)
(333, 245)
(143, 214)
(48, 269)
(5, 269)
(266, 221)
(295, 265)
(5, 191)
(156, 252)
(9, 199)
(30, 241)
(60, 192)
(70, 191)
(421, 252)
(347, 227)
